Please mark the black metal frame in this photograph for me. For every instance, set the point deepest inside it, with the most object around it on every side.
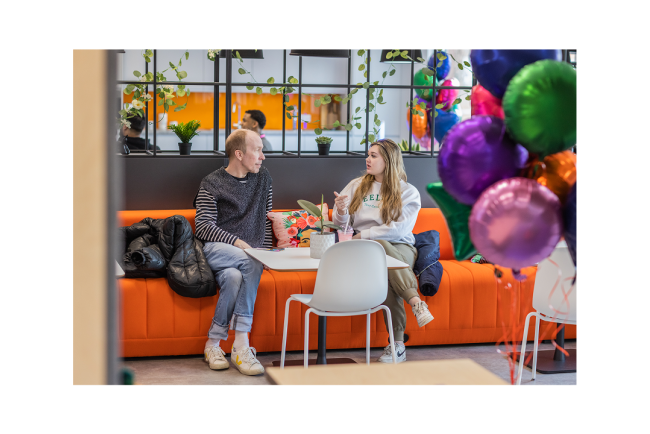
(300, 154)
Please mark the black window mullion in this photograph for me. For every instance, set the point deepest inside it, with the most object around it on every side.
(367, 101)
(155, 112)
(228, 92)
(215, 111)
(347, 132)
(284, 116)
(299, 123)
(411, 108)
(146, 112)
(433, 101)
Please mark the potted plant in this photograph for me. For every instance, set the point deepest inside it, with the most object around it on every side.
(324, 144)
(319, 242)
(185, 132)
(404, 146)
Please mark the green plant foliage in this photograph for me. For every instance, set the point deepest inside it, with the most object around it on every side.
(324, 140)
(404, 146)
(373, 99)
(186, 131)
(165, 92)
(316, 212)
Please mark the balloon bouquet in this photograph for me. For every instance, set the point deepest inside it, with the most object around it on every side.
(508, 176)
(507, 173)
(448, 115)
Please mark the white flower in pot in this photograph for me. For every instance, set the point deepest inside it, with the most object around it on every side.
(319, 242)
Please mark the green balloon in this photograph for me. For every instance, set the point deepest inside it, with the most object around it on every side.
(421, 79)
(457, 216)
(540, 107)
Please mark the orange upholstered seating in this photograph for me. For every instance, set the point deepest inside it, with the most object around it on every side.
(470, 307)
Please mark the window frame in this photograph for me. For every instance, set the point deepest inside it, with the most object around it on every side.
(229, 83)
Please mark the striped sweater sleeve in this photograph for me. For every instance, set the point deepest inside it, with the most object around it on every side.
(206, 220)
(268, 233)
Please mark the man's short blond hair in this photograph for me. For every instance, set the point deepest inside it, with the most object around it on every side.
(236, 141)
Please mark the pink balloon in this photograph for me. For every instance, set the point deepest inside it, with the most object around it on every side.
(516, 222)
(447, 96)
(425, 142)
(484, 103)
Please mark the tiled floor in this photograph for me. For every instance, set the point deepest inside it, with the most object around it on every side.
(193, 370)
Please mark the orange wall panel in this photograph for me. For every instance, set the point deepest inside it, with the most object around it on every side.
(200, 106)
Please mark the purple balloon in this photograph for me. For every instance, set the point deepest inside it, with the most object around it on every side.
(516, 223)
(475, 154)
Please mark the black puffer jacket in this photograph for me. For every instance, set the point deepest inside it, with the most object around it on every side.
(167, 247)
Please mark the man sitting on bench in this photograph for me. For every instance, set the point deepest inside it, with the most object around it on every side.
(231, 207)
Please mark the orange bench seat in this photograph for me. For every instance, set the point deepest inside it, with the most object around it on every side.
(470, 307)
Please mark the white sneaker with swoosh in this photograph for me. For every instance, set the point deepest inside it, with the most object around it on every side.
(245, 360)
(400, 354)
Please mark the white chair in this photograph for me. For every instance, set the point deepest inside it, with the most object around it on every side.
(352, 279)
(553, 309)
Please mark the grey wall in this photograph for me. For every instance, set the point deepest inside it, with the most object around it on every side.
(171, 182)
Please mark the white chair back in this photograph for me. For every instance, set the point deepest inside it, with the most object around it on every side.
(549, 276)
(352, 276)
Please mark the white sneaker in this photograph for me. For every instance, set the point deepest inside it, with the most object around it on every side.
(422, 314)
(244, 359)
(387, 357)
(216, 358)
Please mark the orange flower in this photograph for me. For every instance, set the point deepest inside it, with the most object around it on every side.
(292, 231)
(311, 220)
(302, 223)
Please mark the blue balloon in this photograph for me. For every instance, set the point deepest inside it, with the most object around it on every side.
(443, 123)
(494, 68)
(569, 215)
(443, 69)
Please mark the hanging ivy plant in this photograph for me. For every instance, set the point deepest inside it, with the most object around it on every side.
(285, 91)
(165, 93)
(374, 99)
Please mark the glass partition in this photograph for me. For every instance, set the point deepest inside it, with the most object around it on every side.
(354, 100)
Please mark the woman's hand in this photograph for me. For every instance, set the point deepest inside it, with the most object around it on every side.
(341, 204)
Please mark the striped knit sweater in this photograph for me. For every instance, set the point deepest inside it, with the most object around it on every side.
(207, 228)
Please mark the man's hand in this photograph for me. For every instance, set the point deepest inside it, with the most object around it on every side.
(341, 204)
(265, 267)
(242, 244)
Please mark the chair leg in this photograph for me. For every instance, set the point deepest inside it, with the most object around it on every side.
(307, 337)
(284, 333)
(523, 348)
(368, 339)
(535, 346)
(390, 332)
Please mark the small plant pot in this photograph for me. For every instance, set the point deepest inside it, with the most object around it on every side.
(324, 148)
(185, 148)
(318, 243)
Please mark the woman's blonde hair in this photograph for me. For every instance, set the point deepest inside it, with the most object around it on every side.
(391, 191)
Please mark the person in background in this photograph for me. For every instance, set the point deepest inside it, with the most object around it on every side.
(231, 207)
(383, 207)
(255, 120)
(130, 139)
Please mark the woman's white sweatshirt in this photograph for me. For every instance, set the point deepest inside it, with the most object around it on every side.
(367, 219)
